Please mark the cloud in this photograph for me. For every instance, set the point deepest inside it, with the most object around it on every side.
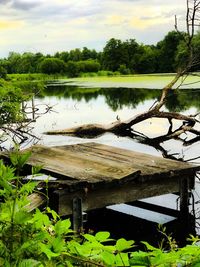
(6, 24)
(24, 4)
(4, 2)
(41, 9)
(53, 25)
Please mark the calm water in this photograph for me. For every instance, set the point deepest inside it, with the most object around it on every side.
(74, 106)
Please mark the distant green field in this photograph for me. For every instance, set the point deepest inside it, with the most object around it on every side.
(149, 81)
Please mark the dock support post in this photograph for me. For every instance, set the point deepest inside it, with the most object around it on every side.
(184, 197)
(77, 214)
(184, 219)
(33, 108)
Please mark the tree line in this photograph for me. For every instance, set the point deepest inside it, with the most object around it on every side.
(124, 57)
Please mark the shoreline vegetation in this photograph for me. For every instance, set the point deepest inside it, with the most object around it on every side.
(117, 57)
(145, 81)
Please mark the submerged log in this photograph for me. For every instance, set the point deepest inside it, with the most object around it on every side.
(121, 128)
(87, 130)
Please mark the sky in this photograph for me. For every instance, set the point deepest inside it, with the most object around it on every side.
(49, 26)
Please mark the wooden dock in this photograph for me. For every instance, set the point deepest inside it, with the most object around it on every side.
(91, 175)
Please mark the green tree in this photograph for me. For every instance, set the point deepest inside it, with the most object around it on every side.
(14, 60)
(88, 54)
(37, 59)
(123, 69)
(196, 49)
(146, 60)
(114, 55)
(132, 49)
(3, 72)
(89, 65)
(167, 50)
(75, 55)
(72, 69)
(26, 63)
(52, 66)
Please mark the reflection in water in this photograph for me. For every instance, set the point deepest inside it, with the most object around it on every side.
(76, 106)
(117, 98)
(104, 105)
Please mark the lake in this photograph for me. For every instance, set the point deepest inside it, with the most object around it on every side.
(74, 106)
(78, 102)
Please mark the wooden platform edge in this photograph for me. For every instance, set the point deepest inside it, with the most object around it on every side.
(36, 201)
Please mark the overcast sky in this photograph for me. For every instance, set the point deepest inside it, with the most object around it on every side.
(48, 26)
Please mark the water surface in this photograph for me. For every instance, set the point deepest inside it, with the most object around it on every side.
(74, 106)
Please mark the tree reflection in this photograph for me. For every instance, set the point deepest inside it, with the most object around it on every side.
(118, 98)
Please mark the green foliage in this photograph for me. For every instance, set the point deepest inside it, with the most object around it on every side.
(52, 66)
(3, 72)
(124, 56)
(74, 69)
(37, 239)
(10, 104)
(114, 54)
(167, 51)
(123, 69)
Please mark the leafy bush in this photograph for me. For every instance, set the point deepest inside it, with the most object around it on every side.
(3, 72)
(52, 66)
(10, 105)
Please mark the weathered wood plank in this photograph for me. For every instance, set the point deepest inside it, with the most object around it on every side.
(36, 200)
(94, 199)
(148, 165)
(75, 165)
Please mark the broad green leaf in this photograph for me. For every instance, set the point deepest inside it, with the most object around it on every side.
(57, 245)
(89, 237)
(109, 248)
(72, 246)
(22, 217)
(102, 236)
(62, 227)
(48, 252)
(83, 250)
(149, 247)
(122, 259)
(40, 219)
(139, 258)
(108, 258)
(123, 244)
